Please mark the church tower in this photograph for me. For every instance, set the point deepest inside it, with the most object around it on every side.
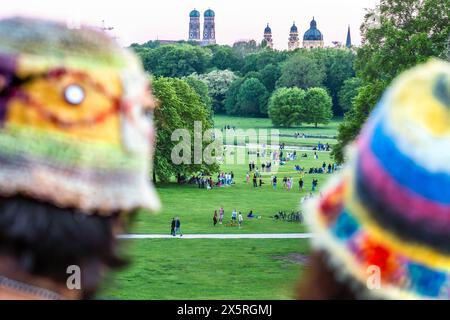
(348, 43)
(268, 37)
(209, 28)
(313, 38)
(294, 42)
(194, 25)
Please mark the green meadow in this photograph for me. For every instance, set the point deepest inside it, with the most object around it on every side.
(222, 268)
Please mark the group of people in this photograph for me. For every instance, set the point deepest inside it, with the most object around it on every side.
(225, 178)
(206, 182)
(299, 135)
(175, 227)
(322, 147)
(330, 168)
(236, 217)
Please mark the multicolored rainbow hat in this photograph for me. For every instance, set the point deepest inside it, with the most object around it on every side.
(385, 219)
(75, 129)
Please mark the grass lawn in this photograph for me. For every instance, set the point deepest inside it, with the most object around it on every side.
(195, 206)
(264, 123)
(221, 268)
(209, 269)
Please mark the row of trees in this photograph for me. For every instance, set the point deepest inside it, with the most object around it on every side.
(395, 37)
(294, 106)
(241, 79)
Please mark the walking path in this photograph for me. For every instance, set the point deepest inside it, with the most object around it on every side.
(221, 236)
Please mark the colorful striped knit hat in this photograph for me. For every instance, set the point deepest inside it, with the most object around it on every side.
(387, 214)
(74, 126)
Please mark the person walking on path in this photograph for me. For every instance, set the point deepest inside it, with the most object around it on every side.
(178, 227)
(255, 184)
(221, 212)
(215, 218)
(247, 178)
(274, 182)
(240, 219)
(172, 227)
(300, 184)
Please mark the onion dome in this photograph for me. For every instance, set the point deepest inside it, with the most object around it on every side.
(194, 14)
(209, 13)
(313, 34)
(294, 28)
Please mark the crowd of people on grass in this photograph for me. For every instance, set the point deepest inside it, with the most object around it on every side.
(206, 181)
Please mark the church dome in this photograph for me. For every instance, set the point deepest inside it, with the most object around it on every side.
(194, 14)
(267, 29)
(313, 34)
(209, 13)
(294, 28)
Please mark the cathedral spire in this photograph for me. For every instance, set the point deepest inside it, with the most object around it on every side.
(348, 43)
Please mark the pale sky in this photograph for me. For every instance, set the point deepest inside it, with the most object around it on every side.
(143, 20)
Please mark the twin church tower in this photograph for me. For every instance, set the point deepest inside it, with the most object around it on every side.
(209, 27)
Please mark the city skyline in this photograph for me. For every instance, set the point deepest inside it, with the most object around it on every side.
(138, 21)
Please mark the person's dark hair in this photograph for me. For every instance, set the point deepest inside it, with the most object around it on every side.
(320, 282)
(44, 240)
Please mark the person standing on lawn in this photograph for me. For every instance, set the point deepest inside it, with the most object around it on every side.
(215, 218)
(240, 219)
(178, 227)
(221, 212)
(172, 227)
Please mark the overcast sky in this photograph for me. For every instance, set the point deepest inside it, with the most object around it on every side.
(143, 20)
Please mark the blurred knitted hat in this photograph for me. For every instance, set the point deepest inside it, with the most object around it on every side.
(74, 119)
(387, 214)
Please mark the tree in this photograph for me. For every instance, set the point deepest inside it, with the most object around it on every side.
(201, 89)
(218, 82)
(252, 98)
(301, 71)
(176, 60)
(223, 58)
(338, 68)
(231, 102)
(397, 35)
(179, 107)
(269, 76)
(285, 107)
(317, 106)
(348, 92)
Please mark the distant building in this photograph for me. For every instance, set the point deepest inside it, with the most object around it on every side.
(348, 42)
(294, 41)
(194, 25)
(313, 38)
(209, 28)
(268, 36)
